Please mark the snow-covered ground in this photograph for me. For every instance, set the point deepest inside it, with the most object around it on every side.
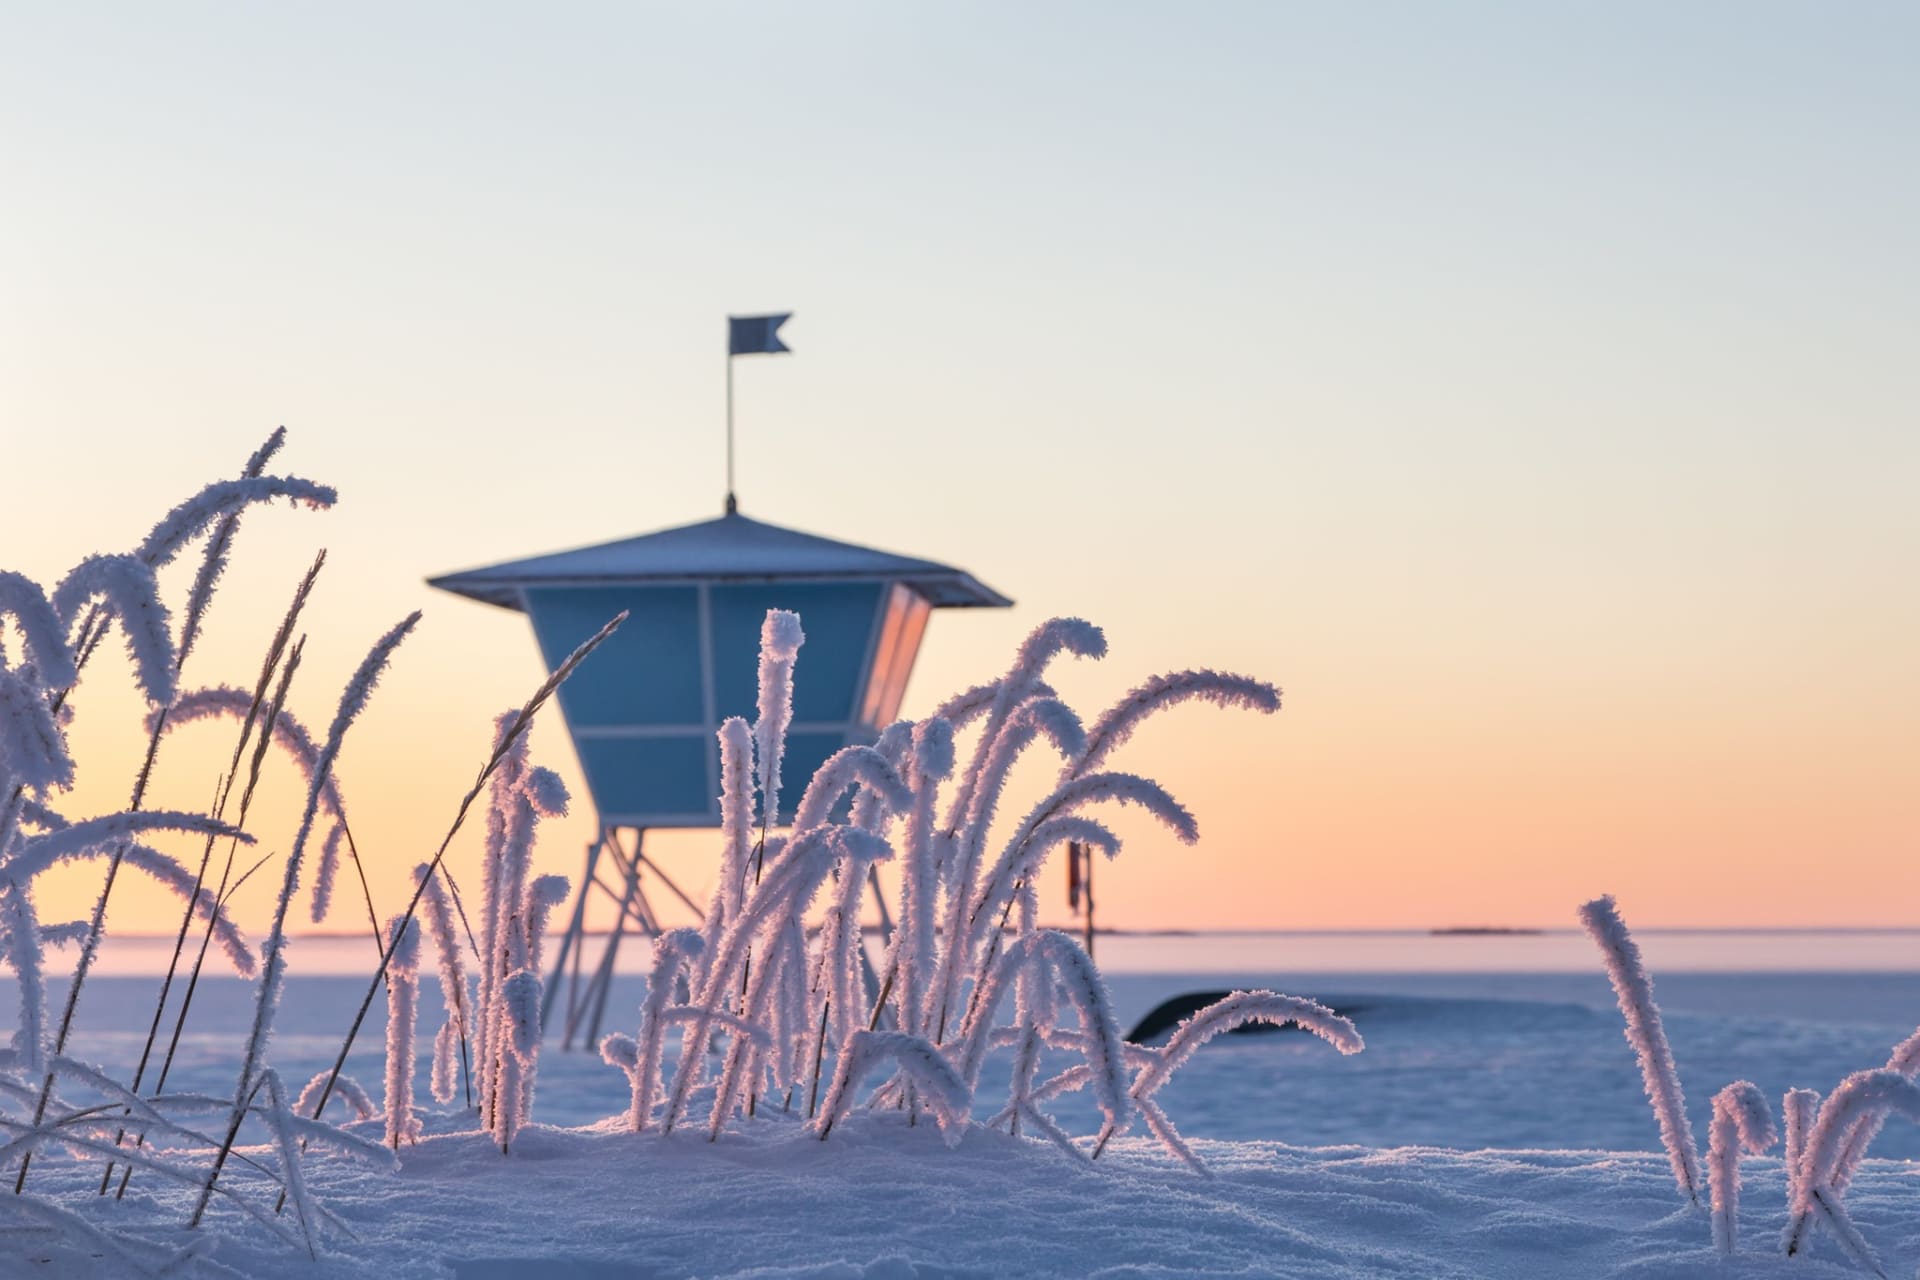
(1494, 1127)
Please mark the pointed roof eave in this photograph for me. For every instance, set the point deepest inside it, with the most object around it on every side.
(732, 548)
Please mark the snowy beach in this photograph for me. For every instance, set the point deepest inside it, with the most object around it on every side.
(1494, 1127)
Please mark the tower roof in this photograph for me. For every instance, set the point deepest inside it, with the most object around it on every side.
(732, 548)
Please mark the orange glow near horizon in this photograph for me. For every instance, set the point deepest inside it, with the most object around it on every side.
(1443, 788)
(1405, 358)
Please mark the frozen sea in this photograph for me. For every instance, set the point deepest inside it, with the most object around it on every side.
(1473, 1041)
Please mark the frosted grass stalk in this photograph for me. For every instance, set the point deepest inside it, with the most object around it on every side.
(1031, 719)
(977, 1036)
(1799, 1107)
(452, 985)
(1904, 1059)
(33, 857)
(963, 708)
(1015, 732)
(22, 599)
(1862, 1094)
(33, 750)
(292, 1176)
(20, 932)
(841, 952)
(324, 872)
(933, 1077)
(130, 596)
(91, 836)
(403, 1009)
(914, 944)
(844, 770)
(736, 818)
(174, 876)
(1021, 863)
(1068, 797)
(1741, 1121)
(1080, 982)
(1022, 681)
(1111, 731)
(842, 1012)
(675, 953)
(1034, 1010)
(1235, 1011)
(218, 500)
(214, 562)
(520, 1053)
(870, 811)
(543, 895)
(780, 641)
(740, 1072)
(511, 816)
(169, 874)
(502, 798)
(781, 1062)
(793, 1003)
(1634, 989)
(349, 1090)
(538, 792)
(789, 885)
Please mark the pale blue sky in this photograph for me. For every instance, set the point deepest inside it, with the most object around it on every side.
(1477, 371)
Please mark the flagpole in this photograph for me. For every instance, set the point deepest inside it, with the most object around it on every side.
(759, 336)
(732, 505)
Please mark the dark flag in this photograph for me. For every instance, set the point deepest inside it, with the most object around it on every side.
(756, 335)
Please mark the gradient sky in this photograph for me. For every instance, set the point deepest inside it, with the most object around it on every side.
(1529, 390)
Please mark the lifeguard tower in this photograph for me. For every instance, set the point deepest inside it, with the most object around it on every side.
(644, 713)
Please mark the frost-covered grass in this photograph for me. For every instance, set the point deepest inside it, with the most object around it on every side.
(1826, 1140)
(806, 1024)
(780, 1015)
(53, 1101)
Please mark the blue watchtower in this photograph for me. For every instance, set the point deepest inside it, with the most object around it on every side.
(644, 712)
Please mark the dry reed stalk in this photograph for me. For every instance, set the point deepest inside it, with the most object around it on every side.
(228, 886)
(353, 700)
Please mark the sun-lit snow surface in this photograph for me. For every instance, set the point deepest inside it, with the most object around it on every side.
(1384, 1171)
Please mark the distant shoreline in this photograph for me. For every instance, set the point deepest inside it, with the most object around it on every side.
(1441, 931)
